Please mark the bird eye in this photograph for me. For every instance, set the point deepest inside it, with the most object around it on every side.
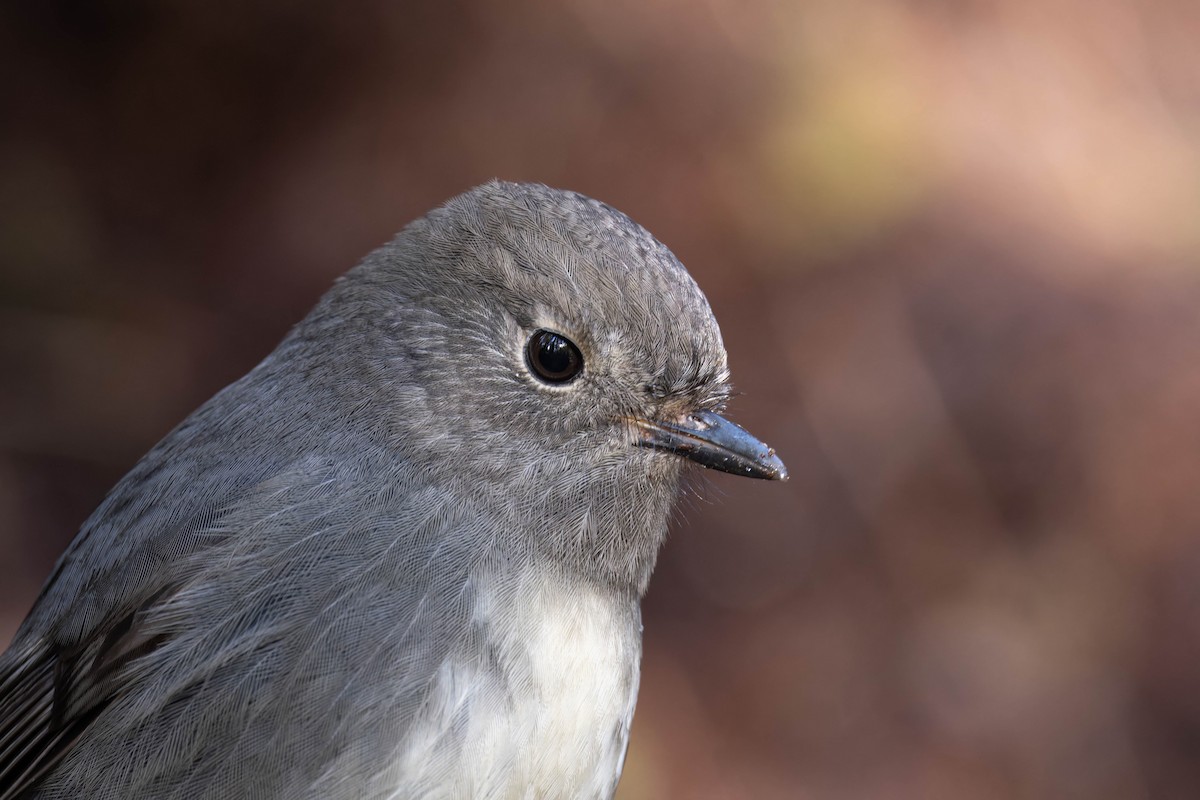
(553, 357)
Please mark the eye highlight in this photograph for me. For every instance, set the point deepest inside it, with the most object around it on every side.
(553, 358)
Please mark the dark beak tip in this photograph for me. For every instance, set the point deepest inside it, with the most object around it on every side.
(714, 442)
(775, 466)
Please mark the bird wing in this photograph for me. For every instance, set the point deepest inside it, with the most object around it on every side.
(71, 656)
(308, 576)
(29, 739)
(49, 696)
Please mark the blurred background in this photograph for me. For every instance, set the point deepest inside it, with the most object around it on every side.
(955, 252)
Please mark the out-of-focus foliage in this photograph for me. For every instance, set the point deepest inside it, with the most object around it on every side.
(955, 249)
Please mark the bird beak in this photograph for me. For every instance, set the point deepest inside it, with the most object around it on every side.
(714, 442)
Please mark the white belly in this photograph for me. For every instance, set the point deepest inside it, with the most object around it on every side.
(556, 724)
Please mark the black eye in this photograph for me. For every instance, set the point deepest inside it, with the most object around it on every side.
(553, 357)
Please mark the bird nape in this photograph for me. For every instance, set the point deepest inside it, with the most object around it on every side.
(403, 556)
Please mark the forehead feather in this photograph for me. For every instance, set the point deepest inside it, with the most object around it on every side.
(575, 255)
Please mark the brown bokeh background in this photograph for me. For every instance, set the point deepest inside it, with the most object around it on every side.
(954, 249)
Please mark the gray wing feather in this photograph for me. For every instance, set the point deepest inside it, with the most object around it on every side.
(222, 679)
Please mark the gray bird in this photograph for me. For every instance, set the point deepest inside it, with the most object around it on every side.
(404, 556)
